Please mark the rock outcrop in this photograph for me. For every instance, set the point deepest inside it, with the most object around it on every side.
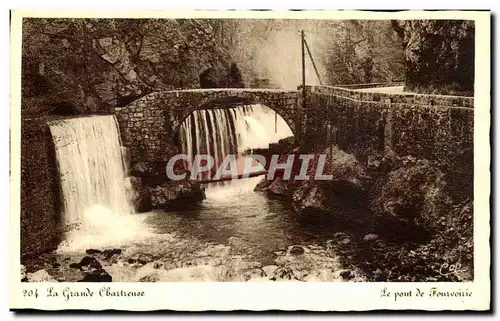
(176, 194)
(88, 65)
(450, 43)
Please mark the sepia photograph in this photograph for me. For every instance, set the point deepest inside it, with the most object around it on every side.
(203, 149)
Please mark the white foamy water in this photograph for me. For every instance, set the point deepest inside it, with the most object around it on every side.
(97, 210)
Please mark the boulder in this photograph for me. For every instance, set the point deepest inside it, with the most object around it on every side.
(311, 199)
(279, 188)
(295, 250)
(412, 191)
(92, 270)
(89, 263)
(175, 194)
(262, 185)
(346, 274)
(97, 276)
(347, 184)
(108, 253)
(93, 251)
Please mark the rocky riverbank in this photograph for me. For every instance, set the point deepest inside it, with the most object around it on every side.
(420, 229)
(167, 258)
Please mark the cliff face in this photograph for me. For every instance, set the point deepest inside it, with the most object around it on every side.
(439, 55)
(40, 194)
(86, 65)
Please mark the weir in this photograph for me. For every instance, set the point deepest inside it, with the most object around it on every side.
(232, 131)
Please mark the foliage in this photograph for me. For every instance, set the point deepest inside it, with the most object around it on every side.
(363, 51)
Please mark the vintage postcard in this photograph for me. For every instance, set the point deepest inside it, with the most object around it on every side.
(250, 160)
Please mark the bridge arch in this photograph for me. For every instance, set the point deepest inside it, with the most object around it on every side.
(149, 125)
(284, 103)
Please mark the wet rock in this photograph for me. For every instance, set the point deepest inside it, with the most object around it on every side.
(93, 251)
(92, 270)
(269, 270)
(97, 276)
(283, 273)
(370, 237)
(262, 185)
(176, 194)
(237, 243)
(296, 250)
(40, 276)
(278, 187)
(346, 274)
(145, 169)
(89, 263)
(311, 199)
(108, 253)
(283, 146)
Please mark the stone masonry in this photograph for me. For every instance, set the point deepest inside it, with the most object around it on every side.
(149, 125)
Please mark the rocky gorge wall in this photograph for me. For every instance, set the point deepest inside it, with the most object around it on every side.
(40, 193)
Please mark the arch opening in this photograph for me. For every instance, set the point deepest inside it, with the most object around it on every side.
(228, 136)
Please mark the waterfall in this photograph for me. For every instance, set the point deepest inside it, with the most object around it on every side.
(93, 180)
(220, 132)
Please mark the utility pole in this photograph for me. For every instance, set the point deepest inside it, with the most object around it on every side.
(302, 38)
(303, 67)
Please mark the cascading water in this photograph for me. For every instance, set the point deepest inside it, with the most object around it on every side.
(230, 131)
(97, 211)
